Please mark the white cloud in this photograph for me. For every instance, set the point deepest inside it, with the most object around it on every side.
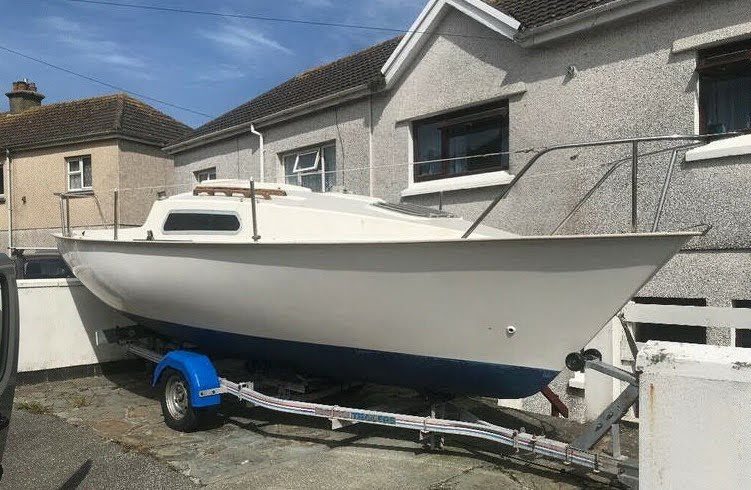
(221, 73)
(242, 40)
(85, 42)
(316, 4)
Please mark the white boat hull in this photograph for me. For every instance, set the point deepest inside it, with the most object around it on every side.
(400, 305)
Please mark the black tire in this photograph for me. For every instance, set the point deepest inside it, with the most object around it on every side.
(592, 354)
(177, 410)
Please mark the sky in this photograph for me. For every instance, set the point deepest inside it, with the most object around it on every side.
(207, 64)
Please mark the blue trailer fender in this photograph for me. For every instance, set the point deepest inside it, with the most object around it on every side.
(198, 371)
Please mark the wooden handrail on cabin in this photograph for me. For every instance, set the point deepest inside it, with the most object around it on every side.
(232, 191)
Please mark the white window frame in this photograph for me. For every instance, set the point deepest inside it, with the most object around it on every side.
(297, 170)
(206, 171)
(319, 166)
(80, 161)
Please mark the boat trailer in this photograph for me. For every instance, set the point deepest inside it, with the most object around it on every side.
(192, 387)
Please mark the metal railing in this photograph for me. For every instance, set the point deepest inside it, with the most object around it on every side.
(65, 198)
(634, 142)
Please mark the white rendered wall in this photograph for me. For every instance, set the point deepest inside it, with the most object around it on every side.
(58, 321)
(694, 417)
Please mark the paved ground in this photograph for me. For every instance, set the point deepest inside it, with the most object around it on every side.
(46, 452)
(108, 432)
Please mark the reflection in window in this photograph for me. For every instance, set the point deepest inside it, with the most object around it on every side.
(725, 88)
(79, 173)
(478, 134)
(206, 174)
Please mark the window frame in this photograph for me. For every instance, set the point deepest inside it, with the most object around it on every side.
(197, 174)
(473, 114)
(709, 64)
(319, 167)
(81, 160)
(202, 232)
(312, 169)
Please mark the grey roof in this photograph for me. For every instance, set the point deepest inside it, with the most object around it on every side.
(117, 114)
(364, 67)
(357, 69)
(535, 13)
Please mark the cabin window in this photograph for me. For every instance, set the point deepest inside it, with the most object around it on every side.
(725, 88)
(201, 222)
(461, 143)
(79, 173)
(206, 174)
(314, 168)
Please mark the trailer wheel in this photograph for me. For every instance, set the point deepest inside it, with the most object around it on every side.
(178, 412)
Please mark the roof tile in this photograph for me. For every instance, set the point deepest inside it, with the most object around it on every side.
(109, 114)
(534, 13)
(345, 73)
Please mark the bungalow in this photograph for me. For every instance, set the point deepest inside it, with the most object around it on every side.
(83, 149)
(449, 113)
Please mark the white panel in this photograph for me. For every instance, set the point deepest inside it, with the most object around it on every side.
(699, 316)
(58, 321)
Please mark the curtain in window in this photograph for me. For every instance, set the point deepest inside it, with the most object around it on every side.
(329, 159)
(289, 168)
(726, 102)
(477, 131)
(87, 178)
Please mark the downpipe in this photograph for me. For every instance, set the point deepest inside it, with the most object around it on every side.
(9, 200)
(260, 150)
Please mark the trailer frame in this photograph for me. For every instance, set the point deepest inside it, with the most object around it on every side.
(207, 386)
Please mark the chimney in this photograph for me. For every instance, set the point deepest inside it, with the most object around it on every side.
(23, 96)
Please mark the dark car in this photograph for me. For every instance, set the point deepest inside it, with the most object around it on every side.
(8, 345)
(41, 266)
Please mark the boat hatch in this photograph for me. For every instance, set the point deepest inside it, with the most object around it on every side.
(413, 210)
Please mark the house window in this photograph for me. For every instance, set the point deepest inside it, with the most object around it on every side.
(2, 180)
(79, 173)
(463, 143)
(668, 332)
(725, 88)
(206, 174)
(314, 168)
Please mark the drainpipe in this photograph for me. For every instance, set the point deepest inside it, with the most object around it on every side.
(260, 149)
(371, 174)
(9, 201)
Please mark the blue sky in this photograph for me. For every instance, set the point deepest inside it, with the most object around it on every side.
(208, 64)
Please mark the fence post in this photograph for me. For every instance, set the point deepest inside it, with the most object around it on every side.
(116, 214)
(256, 236)
(67, 216)
(634, 178)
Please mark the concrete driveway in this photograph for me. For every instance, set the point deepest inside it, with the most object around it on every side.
(107, 431)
